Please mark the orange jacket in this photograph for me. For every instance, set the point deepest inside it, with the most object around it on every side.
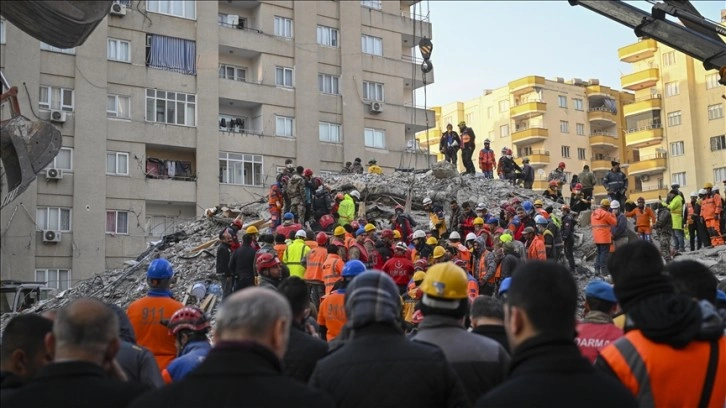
(314, 268)
(644, 219)
(717, 201)
(332, 268)
(280, 249)
(708, 208)
(464, 255)
(536, 250)
(275, 198)
(146, 315)
(601, 221)
(311, 244)
(332, 314)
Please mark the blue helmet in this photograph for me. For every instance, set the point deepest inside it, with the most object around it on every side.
(359, 231)
(540, 220)
(159, 268)
(353, 268)
(527, 205)
(288, 216)
(516, 221)
(504, 286)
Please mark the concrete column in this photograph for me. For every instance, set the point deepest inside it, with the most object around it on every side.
(351, 81)
(306, 85)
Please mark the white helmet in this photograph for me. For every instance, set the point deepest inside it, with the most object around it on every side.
(694, 194)
(481, 207)
(615, 204)
(702, 191)
(419, 234)
(454, 235)
(470, 237)
(301, 234)
(355, 194)
(427, 201)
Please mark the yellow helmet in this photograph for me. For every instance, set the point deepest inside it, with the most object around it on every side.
(439, 251)
(708, 185)
(505, 238)
(419, 276)
(370, 227)
(445, 281)
(252, 230)
(538, 202)
(478, 221)
(396, 234)
(604, 202)
(432, 241)
(339, 231)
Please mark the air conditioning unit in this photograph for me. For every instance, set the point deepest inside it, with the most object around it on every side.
(118, 9)
(58, 116)
(376, 107)
(53, 174)
(51, 236)
(645, 178)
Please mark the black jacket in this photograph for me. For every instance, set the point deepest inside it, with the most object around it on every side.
(224, 253)
(303, 352)
(137, 362)
(236, 374)
(9, 384)
(379, 367)
(494, 332)
(510, 262)
(547, 372)
(242, 262)
(74, 384)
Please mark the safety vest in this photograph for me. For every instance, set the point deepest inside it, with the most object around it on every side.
(363, 257)
(293, 257)
(472, 287)
(145, 316)
(689, 213)
(536, 250)
(275, 198)
(332, 268)
(482, 266)
(332, 314)
(497, 274)
(314, 267)
(463, 254)
(708, 208)
(280, 249)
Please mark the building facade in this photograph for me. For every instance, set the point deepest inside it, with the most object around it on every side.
(171, 107)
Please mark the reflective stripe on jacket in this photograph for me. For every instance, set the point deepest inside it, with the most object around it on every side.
(314, 268)
(294, 255)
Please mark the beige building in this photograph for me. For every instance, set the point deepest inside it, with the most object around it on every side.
(550, 121)
(174, 106)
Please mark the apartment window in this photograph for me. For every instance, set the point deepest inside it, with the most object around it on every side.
(469, 118)
(329, 132)
(240, 169)
(48, 47)
(504, 131)
(283, 27)
(174, 108)
(53, 218)
(232, 72)
(283, 77)
(160, 225)
(2, 31)
(566, 152)
(712, 81)
(718, 143)
(56, 98)
(669, 58)
(63, 160)
(117, 163)
(231, 21)
(371, 45)
(677, 149)
(564, 126)
(679, 178)
(284, 126)
(672, 88)
(54, 278)
(327, 36)
(504, 105)
(375, 4)
(490, 110)
(373, 91)
(719, 174)
(328, 84)
(117, 222)
(674, 118)
(524, 151)
(562, 101)
(579, 104)
(715, 111)
(118, 50)
(177, 8)
(118, 106)
(171, 54)
(581, 153)
(580, 127)
(375, 138)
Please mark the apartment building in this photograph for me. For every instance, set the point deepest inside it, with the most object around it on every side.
(174, 106)
(548, 120)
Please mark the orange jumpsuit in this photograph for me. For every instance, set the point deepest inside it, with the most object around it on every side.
(146, 315)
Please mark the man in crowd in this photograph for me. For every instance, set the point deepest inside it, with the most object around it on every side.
(224, 253)
(357, 167)
(616, 183)
(664, 228)
(137, 362)
(587, 180)
(558, 175)
(456, 217)
(399, 268)
(508, 167)
(527, 174)
(693, 220)
(487, 162)
(620, 230)
(373, 167)
(568, 235)
(602, 220)
(242, 264)
(487, 319)
(23, 351)
(347, 169)
(332, 314)
(693, 279)
(674, 203)
(296, 193)
(597, 329)
(468, 144)
(295, 253)
(644, 219)
(189, 326)
(269, 269)
(450, 144)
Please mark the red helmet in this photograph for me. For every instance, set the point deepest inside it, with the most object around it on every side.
(578, 186)
(516, 201)
(553, 183)
(387, 233)
(562, 164)
(340, 196)
(398, 208)
(321, 238)
(190, 318)
(308, 173)
(421, 265)
(266, 260)
(509, 151)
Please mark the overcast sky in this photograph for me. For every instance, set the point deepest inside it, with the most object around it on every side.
(486, 44)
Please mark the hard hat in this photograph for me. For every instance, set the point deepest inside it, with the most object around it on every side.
(478, 221)
(189, 318)
(604, 202)
(540, 220)
(493, 220)
(307, 173)
(339, 231)
(504, 149)
(439, 251)
(340, 196)
(387, 233)
(516, 220)
(525, 160)
(462, 124)
(694, 194)
(360, 231)
(470, 237)
(398, 208)
(509, 151)
(266, 260)
(159, 268)
(288, 216)
(528, 230)
(504, 286)
(487, 141)
(553, 183)
(355, 194)
(454, 235)
(538, 202)
(427, 201)
(401, 246)
(562, 164)
(615, 204)
(480, 207)
(505, 238)
(432, 241)
(641, 199)
(252, 230)
(370, 227)
(321, 238)
(614, 163)
(702, 191)
(353, 268)
(708, 185)
(372, 161)
(445, 281)
(421, 264)
(578, 186)
(565, 207)
(396, 234)
(675, 186)
(527, 205)
(419, 234)
(419, 276)
(301, 234)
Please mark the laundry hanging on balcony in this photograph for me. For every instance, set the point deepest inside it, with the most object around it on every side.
(171, 54)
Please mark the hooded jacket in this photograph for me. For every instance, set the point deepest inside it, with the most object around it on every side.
(137, 362)
(346, 210)
(601, 221)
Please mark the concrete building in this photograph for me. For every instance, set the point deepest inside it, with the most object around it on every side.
(174, 106)
(550, 121)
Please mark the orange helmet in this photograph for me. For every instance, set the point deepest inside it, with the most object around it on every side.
(265, 261)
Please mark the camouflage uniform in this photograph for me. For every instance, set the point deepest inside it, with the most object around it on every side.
(296, 192)
(664, 228)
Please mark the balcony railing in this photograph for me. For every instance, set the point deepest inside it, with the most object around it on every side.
(600, 109)
(647, 98)
(169, 169)
(654, 125)
(601, 133)
(648, 157)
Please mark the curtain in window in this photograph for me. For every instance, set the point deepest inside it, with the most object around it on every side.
(173, 54)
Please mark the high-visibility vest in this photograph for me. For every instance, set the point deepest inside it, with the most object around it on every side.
(472, 287)
(314, 267)
(332, 268)
(293, 257)
(145, 316)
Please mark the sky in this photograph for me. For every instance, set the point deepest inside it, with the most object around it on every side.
(485, 44)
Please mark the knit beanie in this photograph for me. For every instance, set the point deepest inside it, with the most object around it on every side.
(372, 297)
(637, 272)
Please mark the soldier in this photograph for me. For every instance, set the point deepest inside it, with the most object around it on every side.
(296, 192)
(357, 167)
(347, 169)
(664, 228)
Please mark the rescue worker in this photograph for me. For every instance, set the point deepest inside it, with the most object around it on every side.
(664, 228)
(509, 167)
(147, 313)
(578, 201)
(472, 286)
(399, 268)
(280, 245)
(597, 329)
(253, 232)
(587, 182)
(620, 230)
(346, 209)
(418, 239)
(287, 173)
(357, 167)
(601, 221)
(462, 252)
(347, 169)
(269, 269)
(711, 208)
(374, 168)
(535, 245)
(553, 192)
(548, 237)
(314, 274)
(224, 253)
(413, 295)
(487, 162)
(558, 175)
(467, 219)
(527, 174)
(538, 210)
(385, 245)
(332, 268)
(511, 260)
(276, 201)
(437, 220)
(189, 327)
(455, 217)
(321, 204)
(242, 264)
(295, 253)
(500, 169)
(468, 145)
(339, 242)
(296, 193)
(568, 236)
(438, 255)
(331, 316)
(675, 203)
(311, 185)
(479, 228)
(288, 225)
(358, 250)
(616, 183)
(693, 215)
(402, 223)
(450, 144)
(644, 219)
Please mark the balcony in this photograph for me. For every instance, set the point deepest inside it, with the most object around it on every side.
(539, 158)
(255, 93)
(638, 51)
(646, 78)
(649, 194)
(248, 42)
(598, 90)
(651, 164)
(604, 140)
(530, 135)
(601, 164)
(528, 110)
(525, 85)
(171, 190)
(644, 136)
(601, 116)
(652, 102)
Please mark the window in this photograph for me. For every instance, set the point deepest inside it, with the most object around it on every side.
(232, 72)
(373, 91)
(504, 105)
(63, 160)
(118, 50)
(580, 128)
(240, 169)
(283, 27)
(54, 278)
(118, 106)
(376, 4)
(489, 112)
(718, 143)
(171, 54)
(566, 152)
(715, 111)
(375, 138)
(581, 153)
(53, 218)
(329, 132)
(174, 108)
(719, 174)
(579, 104)
(284, 126)
(371, 45)
(524, 151)
(160, 225)
(679, 178)
(328, 84)
(672, 89)
(283, 77)
(117, 163)
(677, 149)
(674, 118)
(564, 126)
(2, 31)
(669, 58)
(229, 123)
(327, 36)
(177, 8)
(504, 131)
(231, 21)
(470, 118)
(56, 98)
(48, 47)
(117, 222)
(712, 81)
(562, 101)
